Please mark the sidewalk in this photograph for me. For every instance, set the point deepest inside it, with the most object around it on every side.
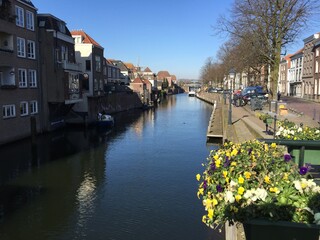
(246, 124)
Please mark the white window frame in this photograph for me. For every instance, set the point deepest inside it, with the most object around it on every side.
(21, 47)
(24, 109)
(33, 105)
(30, 20)
(32, 77)
(22, 77)
(31, 49)
(19, 16)
(8, 111)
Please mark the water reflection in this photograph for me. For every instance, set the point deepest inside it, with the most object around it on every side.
(136, 181)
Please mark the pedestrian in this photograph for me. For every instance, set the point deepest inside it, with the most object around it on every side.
(279, 95)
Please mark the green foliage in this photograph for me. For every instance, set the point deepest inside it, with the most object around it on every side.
(255, 180)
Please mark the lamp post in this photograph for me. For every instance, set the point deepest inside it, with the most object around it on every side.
(231, 77)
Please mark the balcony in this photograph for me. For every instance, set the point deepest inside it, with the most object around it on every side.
(71, 66)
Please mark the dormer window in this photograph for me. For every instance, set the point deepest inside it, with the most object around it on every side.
(62, 27)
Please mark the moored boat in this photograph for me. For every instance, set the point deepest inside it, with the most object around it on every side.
(105, 120)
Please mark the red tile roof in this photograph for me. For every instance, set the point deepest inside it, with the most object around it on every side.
(137, 80)
(147, 69)
(163, 74)
(86, 37)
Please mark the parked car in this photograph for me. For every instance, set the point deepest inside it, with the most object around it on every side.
(253, 92)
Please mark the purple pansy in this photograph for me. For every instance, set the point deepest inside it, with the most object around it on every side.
(306, 168)
(227, 162)
(287, 157)
(204, 185)
(219, 188)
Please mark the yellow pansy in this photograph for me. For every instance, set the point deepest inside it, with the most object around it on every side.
(247, 175)
(234, 152)
(285, 176)
(214, 202)
(198, 176)
(273, 145)
(227, 179)
(241, 180)
(274, 189)
(267, 179)
(234, 164)
(240, 190)
(218, 162)
(266, 147)
(238, 198)
(210, 213)
(200, 192)
(225, 173)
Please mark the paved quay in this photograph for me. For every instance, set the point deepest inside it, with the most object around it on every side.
(246, 124)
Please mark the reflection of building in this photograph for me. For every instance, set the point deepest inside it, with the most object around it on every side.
(61, 75)
(19, 73)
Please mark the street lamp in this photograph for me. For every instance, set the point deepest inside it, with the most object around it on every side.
(231, 77)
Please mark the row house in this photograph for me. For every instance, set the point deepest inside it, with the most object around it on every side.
(89, 54)
(310, 89)
(143, 88)
(317, 68)
(151, 77)
(19, 70)
(114, 74)
(283, 74)
(126, 74)
(60, 75)
(295, 74)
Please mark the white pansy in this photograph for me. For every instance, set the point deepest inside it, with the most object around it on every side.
(229, 197)
(261, 193)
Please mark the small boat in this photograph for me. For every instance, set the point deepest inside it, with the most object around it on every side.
(105, 120)
(192, 93)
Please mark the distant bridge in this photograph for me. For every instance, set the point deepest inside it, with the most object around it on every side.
(194, 86)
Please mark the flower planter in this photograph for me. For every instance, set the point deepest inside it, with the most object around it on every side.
(311, 156)
(268, 121)
(266, 230)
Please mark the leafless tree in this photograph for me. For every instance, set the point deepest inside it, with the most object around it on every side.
(268, 26)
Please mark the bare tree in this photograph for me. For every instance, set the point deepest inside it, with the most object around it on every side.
(270, 26)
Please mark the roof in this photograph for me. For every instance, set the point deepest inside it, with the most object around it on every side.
(138, 80)
(147, 69)
(163, 74)
(86, 38)
(130, 66)
(297, 53)
(49, 21)
(147, 81)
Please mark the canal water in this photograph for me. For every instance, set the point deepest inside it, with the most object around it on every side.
(135, 181)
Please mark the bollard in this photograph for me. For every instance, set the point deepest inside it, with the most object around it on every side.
(274, 126)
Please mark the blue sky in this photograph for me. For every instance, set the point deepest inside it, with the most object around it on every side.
(172, 35)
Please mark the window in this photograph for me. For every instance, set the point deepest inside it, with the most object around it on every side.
(317, 67)
(31, 49)
(8, 111)
(98, 63)
(22, 76)
(30, 20)
(88, 65)
(23, 108)
(74, 86)
(109, 72)
(96, 87)
(19, 16)
(32, 78)
(21, 47)
(33, 107)
(317, 52)
(64, 53)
